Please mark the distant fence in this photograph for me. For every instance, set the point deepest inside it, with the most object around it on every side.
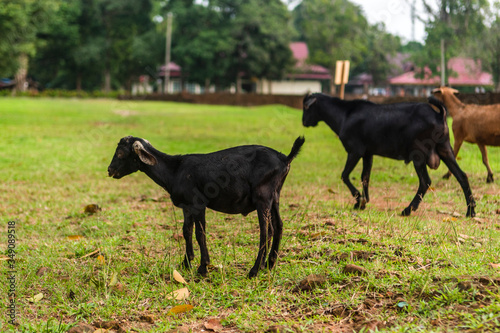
(294, 101)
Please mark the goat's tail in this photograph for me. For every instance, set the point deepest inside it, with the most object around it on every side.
(295, 149)
(437, 103)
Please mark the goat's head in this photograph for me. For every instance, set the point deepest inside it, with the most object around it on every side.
(439, 92)
(310, 115)
(129, 156)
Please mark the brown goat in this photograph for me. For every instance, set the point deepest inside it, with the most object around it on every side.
(479, 124)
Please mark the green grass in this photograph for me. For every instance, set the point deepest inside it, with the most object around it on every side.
(428, 272)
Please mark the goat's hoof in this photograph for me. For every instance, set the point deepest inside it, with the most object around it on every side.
(470, 212)
(362, 204)
(202, 270)
(406, 211)
(253, 273)
(489, 179)
(356, 205)
(447, 175)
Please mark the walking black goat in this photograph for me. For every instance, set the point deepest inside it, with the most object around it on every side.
(403, 131)
(237, 180)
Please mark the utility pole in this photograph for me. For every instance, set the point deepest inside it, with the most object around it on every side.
(443, 64)
(413, 17)
(167, 52)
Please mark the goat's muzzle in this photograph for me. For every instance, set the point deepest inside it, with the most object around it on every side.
(112, 173)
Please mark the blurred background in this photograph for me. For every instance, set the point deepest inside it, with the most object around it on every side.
(267, 47)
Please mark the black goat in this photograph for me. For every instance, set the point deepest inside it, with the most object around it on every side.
(402, 131)
(237, 180)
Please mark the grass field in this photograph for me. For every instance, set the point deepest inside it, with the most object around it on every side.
(435, 271)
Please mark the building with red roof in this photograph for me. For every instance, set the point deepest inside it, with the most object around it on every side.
(304, 77)
(462, 72)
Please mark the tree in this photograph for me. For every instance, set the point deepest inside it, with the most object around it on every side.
(202, 49)
(379, 46)
(20, 22)
(448, 28)
(487, 48)
(334, 30)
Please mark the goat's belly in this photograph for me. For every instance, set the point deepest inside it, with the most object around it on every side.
(226, 205)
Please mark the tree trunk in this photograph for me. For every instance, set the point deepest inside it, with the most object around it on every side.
(79, 82)
(107, 80)
(21, 73)
(443, 63)
(238, 84)
(207, 85)
(333, 91)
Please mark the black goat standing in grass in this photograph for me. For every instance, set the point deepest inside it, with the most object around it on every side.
(403, 131)
(237, 180)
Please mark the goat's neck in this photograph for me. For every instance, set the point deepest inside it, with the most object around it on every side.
(334, 117)
(163, 172)
(453, 104)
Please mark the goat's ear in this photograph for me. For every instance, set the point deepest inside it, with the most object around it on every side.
(309, 102)
(455, 91)
(437, 90)
(143, 154)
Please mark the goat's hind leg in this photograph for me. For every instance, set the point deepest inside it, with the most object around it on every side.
(423, 186)
(350, 164)
(365, 179)
(264, 214)
(187, 233)
(277, 224)
(200, 231)
(484, 154)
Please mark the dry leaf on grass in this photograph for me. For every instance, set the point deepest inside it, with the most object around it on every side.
(180, 309)
(213, 325)
(35, 298)
(178, 277)
(180, 294)
(75, 237)
(101, 260)
(496, 266)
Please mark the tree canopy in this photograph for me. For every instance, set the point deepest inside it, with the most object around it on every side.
(107, 44)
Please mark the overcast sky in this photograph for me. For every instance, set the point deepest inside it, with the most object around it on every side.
(396, 14)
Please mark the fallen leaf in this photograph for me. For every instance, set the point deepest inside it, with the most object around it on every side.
(213, 325)
(35, 298)
(354, 269)
(82, 328)
(180, 309)
(101, 330)
(101, 259)
(147, 319)
(41, 271)
(180, 294)
(310, 282)
(91, 209)
(496, 266)
(449, 219)
(3, 257)
(75, 237)
(114, 279)
(178, 277)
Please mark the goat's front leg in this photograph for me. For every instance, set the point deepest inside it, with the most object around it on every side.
(423, 186)
(200, 231)
(187, 233)
(365, 179)
(352, 160)
(484, 154)
(264, 213)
